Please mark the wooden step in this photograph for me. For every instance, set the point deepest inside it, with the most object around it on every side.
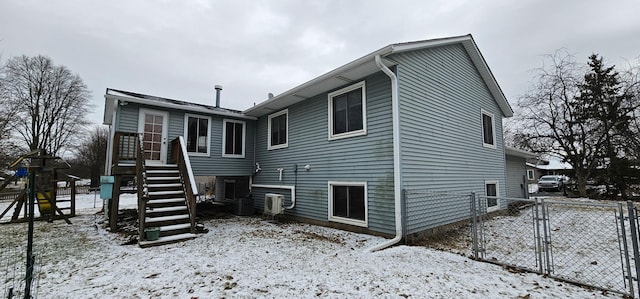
(166, 220)
(163, 179)
(167, 240)
(166, 194)
(175, 229)
(165, 187)
(162, 172)
(167, 211)
(166, 202)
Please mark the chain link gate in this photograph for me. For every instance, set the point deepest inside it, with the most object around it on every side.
(587, 243)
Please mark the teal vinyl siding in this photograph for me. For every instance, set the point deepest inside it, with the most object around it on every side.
(213, 165)
(441, 98)
(366, 158)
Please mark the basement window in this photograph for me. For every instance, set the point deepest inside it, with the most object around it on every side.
(348, 203)
(491, 193)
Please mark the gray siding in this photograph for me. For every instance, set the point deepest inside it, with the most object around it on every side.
(441, 96)
(363, 158)
(516, 177)
(214, 164)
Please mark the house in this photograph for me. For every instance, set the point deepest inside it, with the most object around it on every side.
(339, 149)
(517, 172)
(546, 165)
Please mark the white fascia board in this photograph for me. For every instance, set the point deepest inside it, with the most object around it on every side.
(179, 107)
(327, 76)
(109, 104)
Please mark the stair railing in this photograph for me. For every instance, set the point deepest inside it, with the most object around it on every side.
(181, 158)
(142, 186)
(124, 147)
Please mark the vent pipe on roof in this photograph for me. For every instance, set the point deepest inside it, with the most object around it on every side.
(218, 89)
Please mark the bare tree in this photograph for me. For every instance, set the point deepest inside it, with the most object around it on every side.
(559, 114)
(93, 152)
(51, 103)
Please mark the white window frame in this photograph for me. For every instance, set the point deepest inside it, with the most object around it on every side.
(531, 174)
(286, 143)
(186, 132)
(492, 182)
(347, 89)
(350, 221)
(224, 138)
(493, 127)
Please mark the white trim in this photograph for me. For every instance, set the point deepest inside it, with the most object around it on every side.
(186, 106)
(187, 162)
(532, 176)
(350, 221)
(489, 182)
(186, 133)
(165, 131)
(286, 143)
(493, 128)
(347, 89)
(224, 137)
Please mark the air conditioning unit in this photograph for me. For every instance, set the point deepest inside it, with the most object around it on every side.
(273, 203)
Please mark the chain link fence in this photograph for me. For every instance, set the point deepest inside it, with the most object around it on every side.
(585, 242)
(13, 273)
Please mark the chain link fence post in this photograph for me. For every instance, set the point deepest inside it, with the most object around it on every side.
(633, 217)
(474, 224)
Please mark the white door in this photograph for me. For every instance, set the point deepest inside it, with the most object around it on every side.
(153, 124)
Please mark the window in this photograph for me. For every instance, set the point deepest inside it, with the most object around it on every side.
(278, 130)
(233, 136)
(488, 132)
(348, 112)
(348, 202)
(197, 132)
(491, 193)
(530, 174)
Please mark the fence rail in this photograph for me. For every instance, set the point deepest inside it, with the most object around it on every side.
(585, 242)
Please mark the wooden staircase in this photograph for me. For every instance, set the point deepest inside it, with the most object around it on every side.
(166, 193)
(166, 206)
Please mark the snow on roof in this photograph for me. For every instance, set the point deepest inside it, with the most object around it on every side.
(552, 163)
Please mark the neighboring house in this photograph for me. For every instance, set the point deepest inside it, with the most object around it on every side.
(546, 165)
(341, 148)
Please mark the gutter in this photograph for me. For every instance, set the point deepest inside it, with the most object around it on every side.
(286, 187)
(396, 157)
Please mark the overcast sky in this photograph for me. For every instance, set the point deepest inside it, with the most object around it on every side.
(181, 49)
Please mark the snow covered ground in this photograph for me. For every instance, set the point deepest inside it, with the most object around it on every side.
(248, 257)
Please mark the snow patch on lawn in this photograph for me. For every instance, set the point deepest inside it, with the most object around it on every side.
(249, 257)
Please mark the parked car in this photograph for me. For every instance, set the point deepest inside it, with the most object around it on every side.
(552, 182)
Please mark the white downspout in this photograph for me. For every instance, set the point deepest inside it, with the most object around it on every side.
(396, 157)
(286, 187)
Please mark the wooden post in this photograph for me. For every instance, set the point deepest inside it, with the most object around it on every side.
(114, 204)
(73, 197)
